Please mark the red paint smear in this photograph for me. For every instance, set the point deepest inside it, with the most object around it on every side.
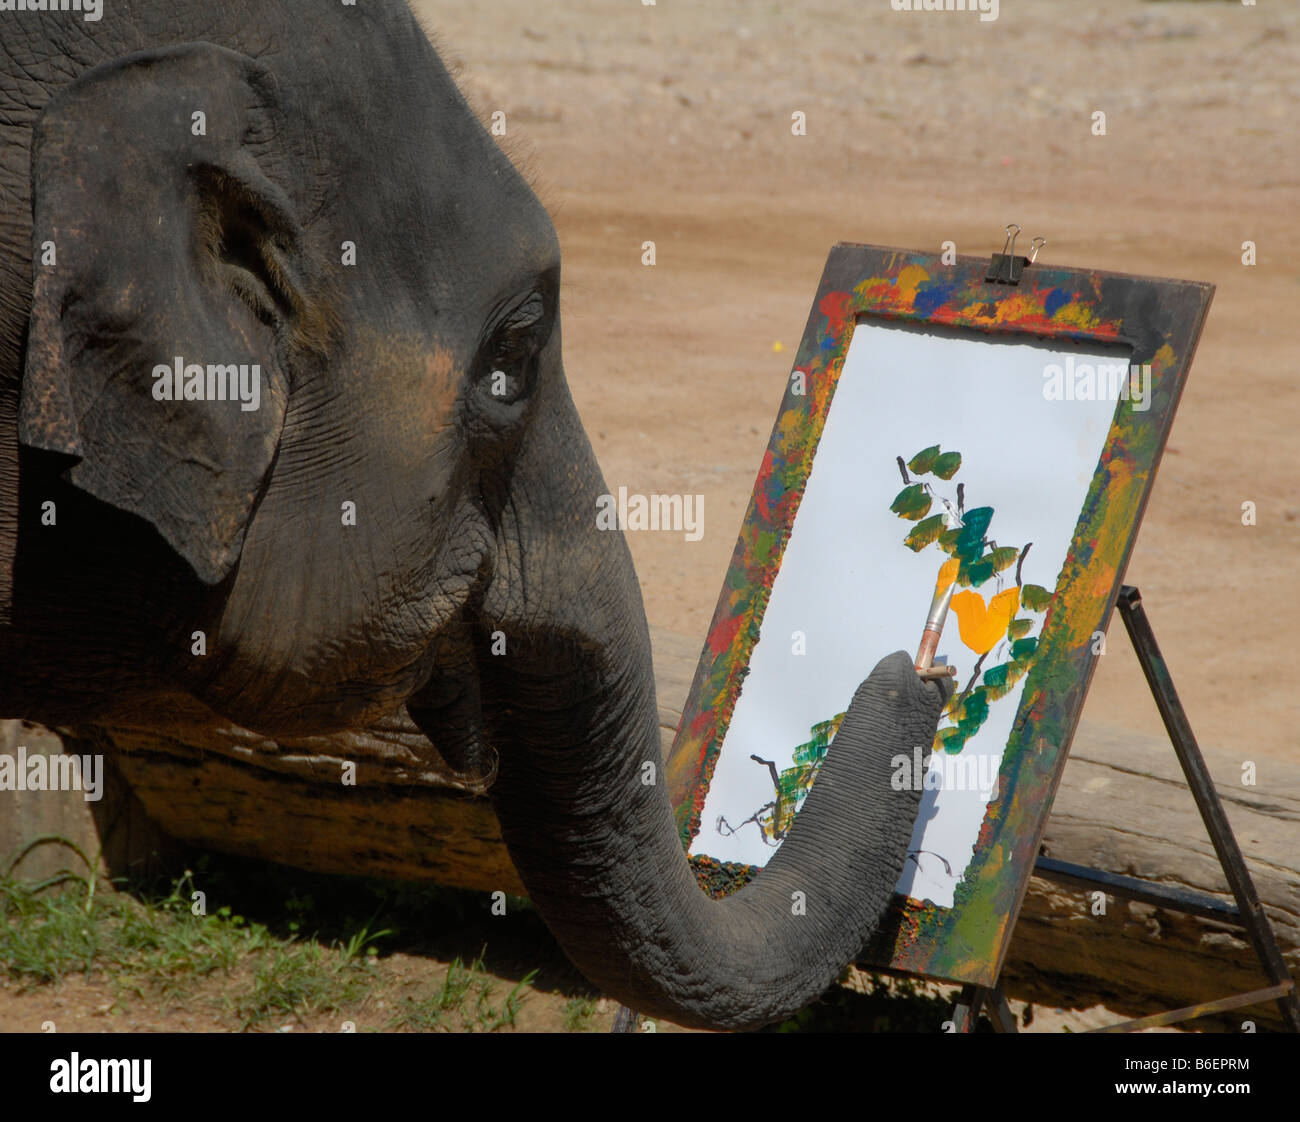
(836, 307)
(723, 635)
(702, 723)
(761, 483)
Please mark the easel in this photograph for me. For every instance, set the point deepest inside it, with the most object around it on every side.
(1246, 913)
(1184, 305)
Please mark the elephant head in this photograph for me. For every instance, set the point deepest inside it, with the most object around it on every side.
(392, 500)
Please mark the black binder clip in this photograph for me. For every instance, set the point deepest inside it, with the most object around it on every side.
(1006, 267)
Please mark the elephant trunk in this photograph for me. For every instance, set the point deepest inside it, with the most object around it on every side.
(571, 711)
(592, 833)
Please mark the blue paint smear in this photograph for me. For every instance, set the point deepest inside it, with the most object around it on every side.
(1056, 299)
(931, 297)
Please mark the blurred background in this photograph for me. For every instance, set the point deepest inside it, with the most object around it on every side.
(671, 123)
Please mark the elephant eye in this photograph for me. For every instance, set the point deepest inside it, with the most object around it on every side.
(509, 377)
(512, 357)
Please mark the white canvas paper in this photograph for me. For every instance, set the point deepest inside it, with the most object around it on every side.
(849, 592)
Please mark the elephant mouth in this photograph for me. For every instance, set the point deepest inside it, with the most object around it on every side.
(448, 708)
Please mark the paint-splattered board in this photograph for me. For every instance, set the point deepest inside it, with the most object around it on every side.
(1044, 626)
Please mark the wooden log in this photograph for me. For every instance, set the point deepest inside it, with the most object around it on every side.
(1122, 807)
(113, 833)
(355, 805)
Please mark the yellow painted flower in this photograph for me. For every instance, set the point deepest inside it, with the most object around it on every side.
(982, 625)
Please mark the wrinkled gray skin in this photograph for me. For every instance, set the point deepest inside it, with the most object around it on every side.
(475, 512)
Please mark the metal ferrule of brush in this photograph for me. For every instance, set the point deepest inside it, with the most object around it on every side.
(934, 627)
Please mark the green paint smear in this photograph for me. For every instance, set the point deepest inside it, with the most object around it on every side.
(970, 537)
(929, 462)
(923, 462)
(924, 533)
(795, 782)
(996, 676)
(947, 465)
(1022, 650)
(975, 574)
(967, 720)
(1035, 597)
(911, 503)
(1003, 557)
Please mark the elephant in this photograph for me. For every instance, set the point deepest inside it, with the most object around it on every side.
(280, 365)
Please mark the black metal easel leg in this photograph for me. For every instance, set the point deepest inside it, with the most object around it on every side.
(976, 999)
(1252, 916)
(625, 1020)
(966, 1013)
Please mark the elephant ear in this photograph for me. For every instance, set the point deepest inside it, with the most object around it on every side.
(160, 239)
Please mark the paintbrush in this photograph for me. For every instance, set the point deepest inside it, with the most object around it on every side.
(933, 630)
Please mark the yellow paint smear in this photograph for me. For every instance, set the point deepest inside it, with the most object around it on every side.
(909, 280)
(981, 624)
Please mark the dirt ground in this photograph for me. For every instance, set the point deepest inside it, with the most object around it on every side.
(100, 1004)
(670, 122)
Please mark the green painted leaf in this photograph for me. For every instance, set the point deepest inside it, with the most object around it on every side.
(1023, 649)
(1035, 597)
(970, 539)
(977, 521)
(1008, 674)
(977, 572)
(948, 541)
(1003, 557)
(949, 740)
(996, 676)
(947, 465)
(1019, 628)
(924, 460)
(911, 503)
(923, 533)
(974, 712)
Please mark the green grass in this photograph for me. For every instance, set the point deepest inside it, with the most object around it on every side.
(465, 1001)
(69, 924)
(578, 1013)
(297, 980)
(279, 946)
(49, 931)
(155, 941)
